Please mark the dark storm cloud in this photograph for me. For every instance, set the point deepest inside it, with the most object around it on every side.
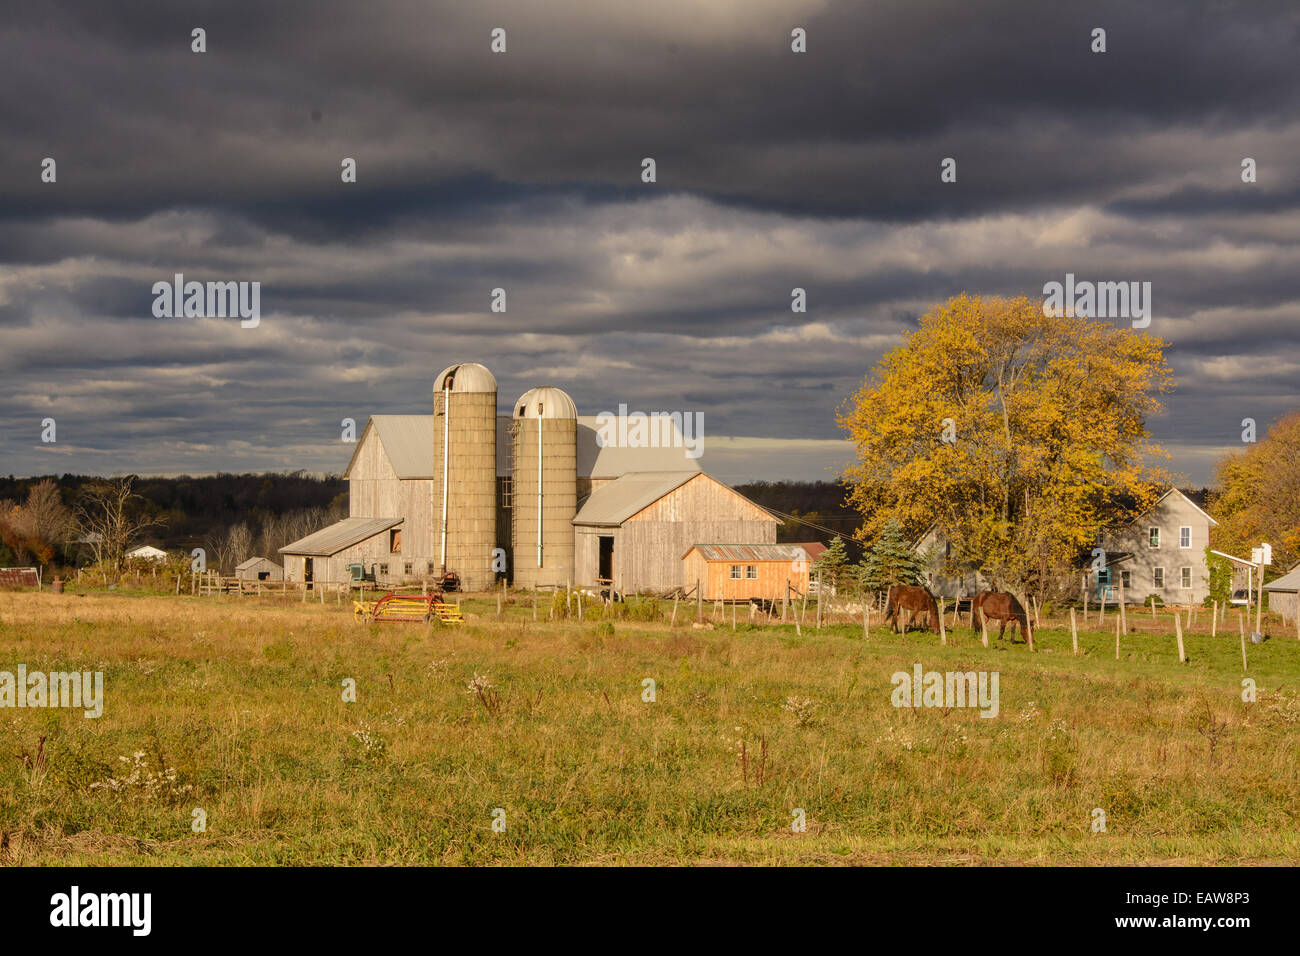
(521, 171)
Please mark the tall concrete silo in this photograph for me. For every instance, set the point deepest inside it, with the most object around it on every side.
(545, 480)
(464, 457)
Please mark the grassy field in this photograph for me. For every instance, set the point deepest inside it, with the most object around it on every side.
(235, 707)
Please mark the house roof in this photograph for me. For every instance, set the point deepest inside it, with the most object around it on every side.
(146, 550)
(1180, 494)
(340, 535)
(751, 552)
(253, 561)
(614, 503)
(1287, 582)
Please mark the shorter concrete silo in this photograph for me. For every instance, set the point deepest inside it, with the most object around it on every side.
(544, 473)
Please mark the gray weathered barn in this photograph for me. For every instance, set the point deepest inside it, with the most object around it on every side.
(539, 496)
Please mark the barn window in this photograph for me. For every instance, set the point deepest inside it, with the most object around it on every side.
(1158, 578)
(1185, 578)
(383, 570)
(507, 493)
(408, 567)
(395, 541)
(431, 566)
(751, 572)
(1153, 537)
(735, 572)
(1185, 536)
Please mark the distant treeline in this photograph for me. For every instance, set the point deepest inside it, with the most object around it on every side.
(197, 508)
(817, 502)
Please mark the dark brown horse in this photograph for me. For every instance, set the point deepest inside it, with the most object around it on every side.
(907, 597)
(1002, 607)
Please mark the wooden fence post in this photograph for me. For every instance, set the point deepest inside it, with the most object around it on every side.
(1178, 631)
(673, 623)
(943, 634)
(866, 630)
(1243, 645)
(1123, 611)
(1214, 620)
(699, 601)
(1103, 604)
(1074, 633)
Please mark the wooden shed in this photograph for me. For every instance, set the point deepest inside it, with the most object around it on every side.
(259, 569)
(1284, 594)
(738, 572)
(633, 531)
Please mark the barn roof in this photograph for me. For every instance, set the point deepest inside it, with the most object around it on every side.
(1287, 582)
(750, 552)
(340, 535)
(408, 442)
(253, 561)
(614, 503)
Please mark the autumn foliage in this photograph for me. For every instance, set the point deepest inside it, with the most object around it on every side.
(1019, 435)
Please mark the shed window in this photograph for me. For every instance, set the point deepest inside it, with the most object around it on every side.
(1185, 536)
(395, 541)
(751, 572)
(1185, 578)
(1153, 537)
(507, 493)
(1158, 578)
(735, 572)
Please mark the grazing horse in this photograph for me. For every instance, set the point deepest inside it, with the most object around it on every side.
(906, 597)
(1002, 607)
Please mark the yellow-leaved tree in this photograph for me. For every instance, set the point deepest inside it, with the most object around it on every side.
(1259, 496)
(1016, 434)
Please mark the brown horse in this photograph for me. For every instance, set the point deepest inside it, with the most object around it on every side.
(906, 597)
(1002, 607)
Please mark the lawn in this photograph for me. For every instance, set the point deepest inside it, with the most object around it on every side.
(231, 713)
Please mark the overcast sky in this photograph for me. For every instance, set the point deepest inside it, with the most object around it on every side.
(522, 170)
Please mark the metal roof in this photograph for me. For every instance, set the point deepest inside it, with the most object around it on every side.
(614, 461)
(340, 535)
(1287, 582)
(750, 552)
(614, 503)
(408, 440)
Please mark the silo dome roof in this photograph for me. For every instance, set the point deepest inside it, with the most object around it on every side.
(545, 401)
(466, 377)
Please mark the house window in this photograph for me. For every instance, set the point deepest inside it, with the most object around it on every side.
(1185, 536)
(1126, 580)
(507, 493)
(1185, 578)
(751, 572)
(1158, 578)
(735, 572)
(395, 541)
(1153, 537)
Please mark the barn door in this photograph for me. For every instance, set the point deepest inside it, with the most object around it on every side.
(606, 558)
(307, 572)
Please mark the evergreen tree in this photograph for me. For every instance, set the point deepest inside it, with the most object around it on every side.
(891, 560)
(833, 565)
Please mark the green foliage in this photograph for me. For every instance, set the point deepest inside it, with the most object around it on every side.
(1220, 578)
(891, 560)
(833, 565)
